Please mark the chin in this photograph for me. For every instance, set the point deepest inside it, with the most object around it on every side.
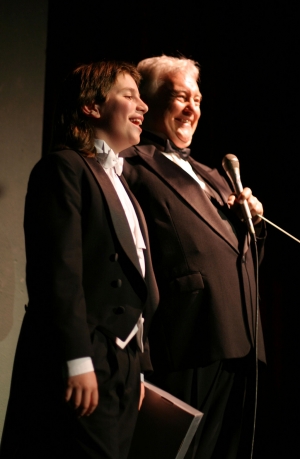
(136, 141)
(181, 144)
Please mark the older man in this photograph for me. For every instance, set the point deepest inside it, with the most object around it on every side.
(203, 336)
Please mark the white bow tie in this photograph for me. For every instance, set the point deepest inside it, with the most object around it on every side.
(107, 157)
(110, 160)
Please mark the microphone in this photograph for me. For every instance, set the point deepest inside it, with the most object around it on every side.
(231, 166)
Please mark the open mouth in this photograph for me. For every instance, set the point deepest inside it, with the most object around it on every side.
(136, 121)
(184, 121)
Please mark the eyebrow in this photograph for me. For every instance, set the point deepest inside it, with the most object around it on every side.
(128, 89)
(177, 91)
(132, 90)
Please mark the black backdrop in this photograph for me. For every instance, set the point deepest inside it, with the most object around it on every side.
(250, 88)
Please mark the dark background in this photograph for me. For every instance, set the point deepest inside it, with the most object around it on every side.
(249, 57)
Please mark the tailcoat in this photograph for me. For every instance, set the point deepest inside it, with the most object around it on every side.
(85, 288)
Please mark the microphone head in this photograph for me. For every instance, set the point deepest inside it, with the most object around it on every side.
(230, 162)
(231, 166)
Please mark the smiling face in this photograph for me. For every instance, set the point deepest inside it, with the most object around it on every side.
(176, 110)
(119, 118)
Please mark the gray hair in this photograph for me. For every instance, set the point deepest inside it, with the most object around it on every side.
(154, 71)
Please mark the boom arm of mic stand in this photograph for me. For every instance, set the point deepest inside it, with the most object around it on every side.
(278, 227)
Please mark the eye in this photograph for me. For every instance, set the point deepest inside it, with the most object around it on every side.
(128, 97)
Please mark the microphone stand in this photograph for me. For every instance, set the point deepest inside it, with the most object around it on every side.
(278, 227)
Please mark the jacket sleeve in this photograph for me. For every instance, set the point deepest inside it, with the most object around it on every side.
(53, 236)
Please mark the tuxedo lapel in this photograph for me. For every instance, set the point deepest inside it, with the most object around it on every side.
(138, 210)
(150, 278)
(213, 178)
(116, 210)
(189, 190)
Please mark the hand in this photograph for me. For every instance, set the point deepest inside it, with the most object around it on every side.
(82, 392)
(254, 204)
(142, 395)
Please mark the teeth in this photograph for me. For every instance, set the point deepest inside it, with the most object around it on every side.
(186, 121)
(136, 121)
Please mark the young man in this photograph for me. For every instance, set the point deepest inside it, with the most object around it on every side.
(203, 334)
(76, 382)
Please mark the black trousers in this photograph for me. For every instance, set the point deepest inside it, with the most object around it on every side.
(225, 392)
(108, 431)
(40, 424)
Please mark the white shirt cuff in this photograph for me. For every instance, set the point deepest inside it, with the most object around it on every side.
(80, 366)
(142, 377)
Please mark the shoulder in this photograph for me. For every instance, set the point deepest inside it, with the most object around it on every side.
(59, 169)
(63, 157)
(62, 160)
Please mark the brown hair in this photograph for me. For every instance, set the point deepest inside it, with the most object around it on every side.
(85, 85)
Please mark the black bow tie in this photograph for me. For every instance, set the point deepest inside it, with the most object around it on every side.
(168, 145)
(184, 153)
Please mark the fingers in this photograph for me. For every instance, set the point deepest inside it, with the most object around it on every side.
(68, 393)
(88, 403)
(94, 401)
(254, 204)
(231, 200)
(77, 397)
(82, 392)
(244, 196)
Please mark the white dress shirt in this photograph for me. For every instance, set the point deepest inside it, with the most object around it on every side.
(113, 166)
(185, 165)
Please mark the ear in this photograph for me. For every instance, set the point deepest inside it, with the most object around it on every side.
(92, 110)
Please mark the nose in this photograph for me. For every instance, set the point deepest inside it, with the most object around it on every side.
(192, 107)
(142, 107)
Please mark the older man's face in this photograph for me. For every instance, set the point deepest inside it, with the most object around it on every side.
(177, 111)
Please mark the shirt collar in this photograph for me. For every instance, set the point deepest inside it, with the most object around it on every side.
(107, 157)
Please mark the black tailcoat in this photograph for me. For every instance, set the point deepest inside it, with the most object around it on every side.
(83, 278)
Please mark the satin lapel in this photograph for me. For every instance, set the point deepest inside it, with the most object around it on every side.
(189, 190)
(138, 210)
(213, 178)
(116, 210)
(151, 282)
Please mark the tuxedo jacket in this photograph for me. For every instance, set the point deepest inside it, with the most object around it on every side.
(84, 281)
(203, 262)
(82, 269)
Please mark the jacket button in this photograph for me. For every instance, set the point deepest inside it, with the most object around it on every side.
(114, 257)
(116, 283)
(119, 310)
(243, 259)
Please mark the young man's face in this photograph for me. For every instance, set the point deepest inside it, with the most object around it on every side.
(176, 111)
(121, 115)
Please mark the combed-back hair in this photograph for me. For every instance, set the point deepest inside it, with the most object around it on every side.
(87, 84)
(155, 70)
